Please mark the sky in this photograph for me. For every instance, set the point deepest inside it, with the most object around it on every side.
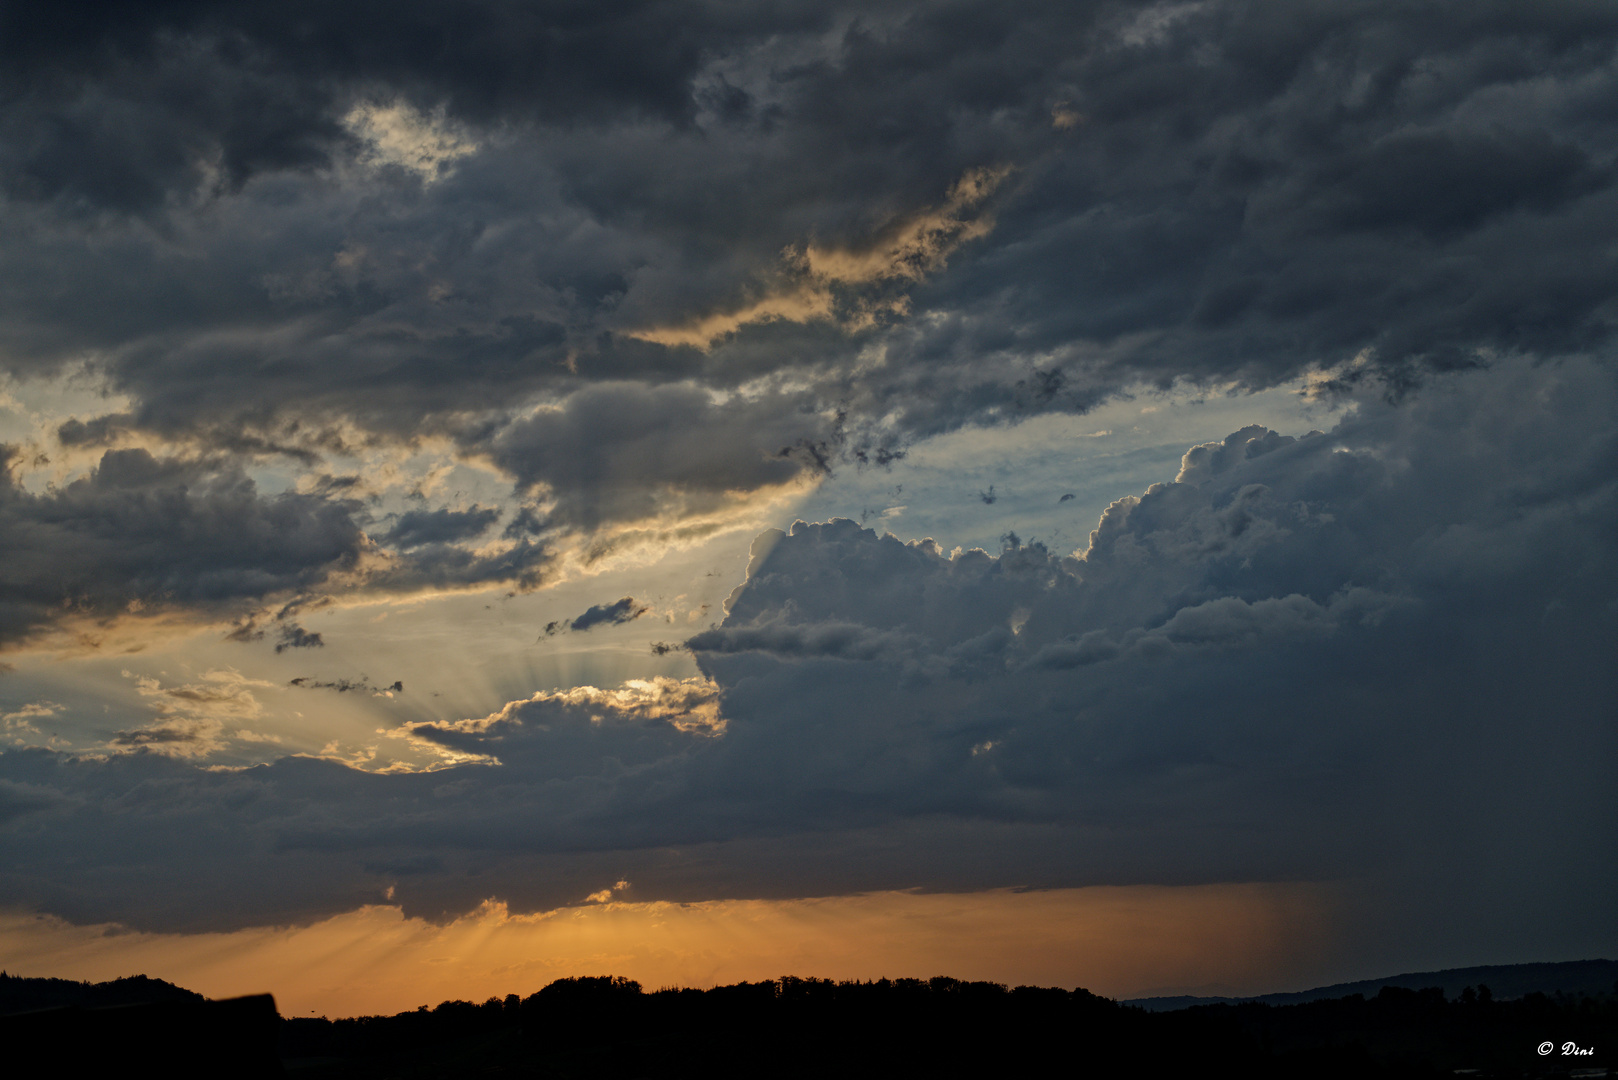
(1108, 494)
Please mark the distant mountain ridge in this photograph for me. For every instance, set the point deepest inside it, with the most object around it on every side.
(1503, 980)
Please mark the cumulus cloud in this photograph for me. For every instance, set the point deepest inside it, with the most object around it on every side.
(21, 725)
(22, 719)
(1372, 655)
(645, 713)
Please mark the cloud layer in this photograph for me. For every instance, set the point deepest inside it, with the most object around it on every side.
(1375, 656)
(654, 263)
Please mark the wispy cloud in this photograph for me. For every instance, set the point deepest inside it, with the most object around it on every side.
(191, 717)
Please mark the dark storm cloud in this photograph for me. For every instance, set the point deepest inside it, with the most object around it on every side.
(525, 564)
(848, 641)
(1220, 191)
(117, 106)
(143, 534)
(624, 452)
(417, 527)
(141, 531)
(1376, 654)
(16, 800)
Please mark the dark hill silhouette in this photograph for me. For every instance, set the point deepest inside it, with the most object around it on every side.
(134, 1026)
(22, 995)
(1504, 981)
(610, 1028)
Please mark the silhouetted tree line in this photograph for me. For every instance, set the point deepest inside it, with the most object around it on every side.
(608, 1027)
(605, 1028)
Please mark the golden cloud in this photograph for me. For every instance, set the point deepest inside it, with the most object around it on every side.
(812, 281)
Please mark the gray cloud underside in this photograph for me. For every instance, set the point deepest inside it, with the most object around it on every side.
(1214, 162)
(142, 530)
(143, 533)
(415, 528)
(1378, 655)
(1229, 191)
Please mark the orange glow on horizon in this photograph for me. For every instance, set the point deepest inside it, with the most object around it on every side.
(1116, 941)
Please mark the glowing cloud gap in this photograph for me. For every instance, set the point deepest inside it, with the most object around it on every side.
(833, 283)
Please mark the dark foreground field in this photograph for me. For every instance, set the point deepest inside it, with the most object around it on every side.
(605, 1028)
